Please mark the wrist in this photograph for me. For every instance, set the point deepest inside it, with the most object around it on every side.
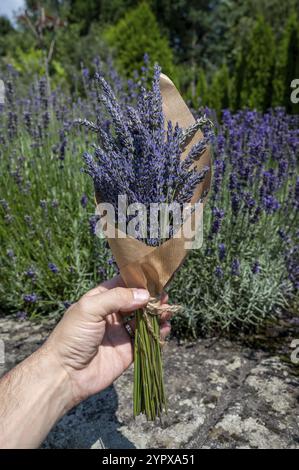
(58, 379)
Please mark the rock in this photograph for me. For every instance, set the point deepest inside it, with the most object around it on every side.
(221, 395)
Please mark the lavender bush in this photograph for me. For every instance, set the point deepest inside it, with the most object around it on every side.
(248, 267)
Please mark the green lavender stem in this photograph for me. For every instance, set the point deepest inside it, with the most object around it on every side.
(149, 393)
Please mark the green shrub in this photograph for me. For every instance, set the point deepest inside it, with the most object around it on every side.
(136, 34)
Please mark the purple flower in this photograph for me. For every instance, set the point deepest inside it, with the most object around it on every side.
(221, 251)
(30, 298)
(31, 273)
(21, 315)
(255, 218)
(4, 204)
(218, 272)
(235, 203)
(270, 204)
(43, 204)
(137, 156)
(235, 267)
(218, 216)
(84, 201)
(93, 220)
(256, 267)
(102, 272)
(53, 268)
(10, 253)
(85, 73)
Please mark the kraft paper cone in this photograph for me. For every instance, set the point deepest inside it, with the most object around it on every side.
(149, 267)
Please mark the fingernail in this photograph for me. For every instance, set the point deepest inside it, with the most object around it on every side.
(140, 295)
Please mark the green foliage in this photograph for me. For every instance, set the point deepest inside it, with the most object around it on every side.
(202, 91)
(196, 36)
(32, 63)
(287, 65)
(136, 34)
(68, 51)
(229, 304)
(255, 68)
(5, 26)
(83, 13)
(230, 22)
(219, 91)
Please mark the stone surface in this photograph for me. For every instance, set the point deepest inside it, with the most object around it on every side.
(222, 394)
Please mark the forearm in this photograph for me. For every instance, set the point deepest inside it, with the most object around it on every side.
(33, 396)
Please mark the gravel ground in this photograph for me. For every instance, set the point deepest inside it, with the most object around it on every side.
(222, 394)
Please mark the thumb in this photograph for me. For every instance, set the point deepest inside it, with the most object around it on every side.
(119, 299)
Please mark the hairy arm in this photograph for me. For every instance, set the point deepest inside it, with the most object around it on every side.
(86, 352)
(33, 396)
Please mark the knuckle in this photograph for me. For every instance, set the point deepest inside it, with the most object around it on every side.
(123, 294)
(82, 304)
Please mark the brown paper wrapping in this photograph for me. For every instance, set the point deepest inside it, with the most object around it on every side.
(149, 267)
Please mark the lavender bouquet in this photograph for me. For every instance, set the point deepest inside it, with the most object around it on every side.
(151, 152)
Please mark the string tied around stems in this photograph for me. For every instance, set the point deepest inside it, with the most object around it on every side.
(155, 308)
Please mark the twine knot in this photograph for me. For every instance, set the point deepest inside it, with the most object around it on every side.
(155, 308)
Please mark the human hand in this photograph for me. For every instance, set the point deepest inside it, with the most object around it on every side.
(91, 343)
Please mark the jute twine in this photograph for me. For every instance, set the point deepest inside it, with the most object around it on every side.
(155, 308)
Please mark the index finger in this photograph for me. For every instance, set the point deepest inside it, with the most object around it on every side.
(116, 281)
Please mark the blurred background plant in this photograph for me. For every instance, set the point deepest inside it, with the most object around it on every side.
(221, 53)
(239, 57)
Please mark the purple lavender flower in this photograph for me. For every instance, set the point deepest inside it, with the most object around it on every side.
(84, 201)
(218, 272)
(4, 204)
(53, 268)
(21, 315)
(10, 253)
(235, 267)
(221, 251)
(30, 298)
(270, 204)
(102, 272)
(138, 157)
(256, 267)
(30, 273)
(235, 203)
(93, 220)
(217, 221)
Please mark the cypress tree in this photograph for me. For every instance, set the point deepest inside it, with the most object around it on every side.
(134, 35)
(201, 89)
(219, 91)
(257, 60)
